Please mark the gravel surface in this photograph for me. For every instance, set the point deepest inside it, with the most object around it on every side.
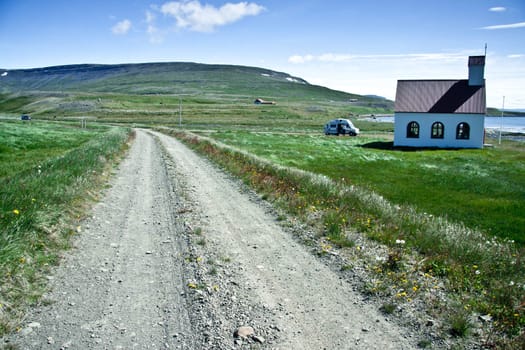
(178, 255)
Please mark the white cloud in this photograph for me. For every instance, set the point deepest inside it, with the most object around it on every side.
(204, 18)
(342, 58)
(378, 74)
(506, 26)
(156, 36)
(300, 59)
(497, 9)
(121, 27)
(150, 17)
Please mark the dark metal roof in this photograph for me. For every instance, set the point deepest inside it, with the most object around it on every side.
(476, 61)
(439, 96)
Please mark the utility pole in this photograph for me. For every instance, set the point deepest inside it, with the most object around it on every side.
(501, 120)
(180, 112)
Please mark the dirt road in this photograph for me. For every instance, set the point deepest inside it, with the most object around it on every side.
(179, 256)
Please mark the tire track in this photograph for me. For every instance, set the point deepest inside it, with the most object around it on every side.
(301, 297)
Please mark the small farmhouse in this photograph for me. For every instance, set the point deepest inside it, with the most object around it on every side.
(260, 101)
(442, 113)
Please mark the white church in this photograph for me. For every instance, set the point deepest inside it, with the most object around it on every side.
(442, 113)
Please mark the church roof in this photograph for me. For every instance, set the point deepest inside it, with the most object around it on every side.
(439, 96)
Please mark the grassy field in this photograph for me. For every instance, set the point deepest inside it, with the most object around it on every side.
(199, 111)
(451, 208)
(482, 189)
(24, 144)
(147, 94)
(480, 274)
(48, 173)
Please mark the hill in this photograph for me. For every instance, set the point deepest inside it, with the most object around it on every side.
(168, 78)
(495, 112)
(77, 89)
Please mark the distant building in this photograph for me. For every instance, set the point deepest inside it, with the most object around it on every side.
(442, 113)
(260, 101)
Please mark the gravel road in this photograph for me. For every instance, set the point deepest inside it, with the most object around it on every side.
(178, 255)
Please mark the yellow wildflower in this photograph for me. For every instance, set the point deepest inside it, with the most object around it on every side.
(16, 211)
(402, 294)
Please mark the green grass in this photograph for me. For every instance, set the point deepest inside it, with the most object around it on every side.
(437, 201)
(41, 197)
(206, 111)
(477, 271)
(482, 189)
(23, 145)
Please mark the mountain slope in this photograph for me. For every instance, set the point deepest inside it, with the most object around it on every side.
(156, 93)
(166, 78)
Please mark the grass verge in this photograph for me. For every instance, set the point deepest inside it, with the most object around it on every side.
(41, 202)
(485, 275)
(483, 189)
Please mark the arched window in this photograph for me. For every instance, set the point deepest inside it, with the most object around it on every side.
(413, 130)
(438, 130)
(463, 131)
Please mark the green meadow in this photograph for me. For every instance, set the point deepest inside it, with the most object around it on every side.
(479, 271)
(25, 144)
(483, 189)
(49, 171)
(455, 212)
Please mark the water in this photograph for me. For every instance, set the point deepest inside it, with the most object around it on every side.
(508, 124)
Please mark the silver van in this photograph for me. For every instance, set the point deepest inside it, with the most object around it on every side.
(340, 127)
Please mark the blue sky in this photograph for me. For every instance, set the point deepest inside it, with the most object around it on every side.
(357, 46)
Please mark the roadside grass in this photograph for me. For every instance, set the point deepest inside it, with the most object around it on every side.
(42, 196)
(483, 189)
(484, 274)
(23, 144)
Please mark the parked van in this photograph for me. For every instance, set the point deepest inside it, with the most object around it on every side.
(340, 127)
